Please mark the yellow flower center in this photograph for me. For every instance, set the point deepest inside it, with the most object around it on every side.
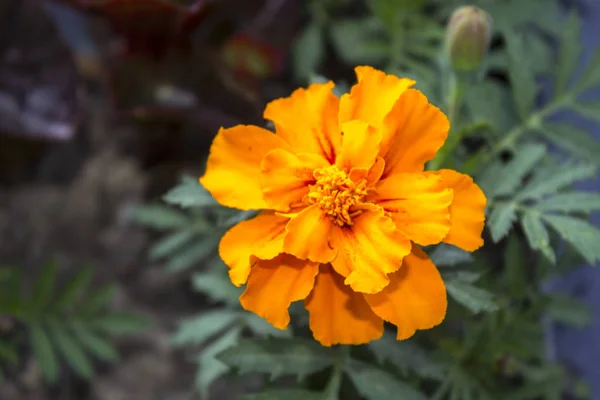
(339, 196)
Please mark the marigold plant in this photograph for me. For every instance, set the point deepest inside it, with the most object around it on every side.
(346, 204)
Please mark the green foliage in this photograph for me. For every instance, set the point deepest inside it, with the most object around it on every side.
(69, 321)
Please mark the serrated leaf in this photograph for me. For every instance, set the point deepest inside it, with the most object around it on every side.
(74, 289)
(160, 217)
(308, 51)
(561, 178)
(354, 41)
(574, 140)
(44, 286)
(569, 311)
(487, 102)
(94, 343)
(120, 323)
(197, 330)
(279, 357)
(582, 235)
(209, 367)
(217, 286)
(522, 79)
(171, 243)
(405, 356)
(43, 351)
(262, 328)
(569, 53)
(447, 255)
(376, 384)
(498, 179)
(70, 350)
(189, 193)
(475, 299)
(537, 235)
(571, 202)
(287, 394)
(587, 109)
(501, 220)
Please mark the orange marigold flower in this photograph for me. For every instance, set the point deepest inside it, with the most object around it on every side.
(346, 203)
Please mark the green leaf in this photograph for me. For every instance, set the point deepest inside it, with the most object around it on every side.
(522, 79)
(487, 102)
(587, 109)
(120, 323)
(515, 268)
(446, 255)
(569, 311)
(501, 220)
(197, 330)
(475, 299)
(561, 178)
(74, 290)
(71, 351)
(262, 328)
(574, 140)
(499, 180)
(94, 343)
(354, 41)
(98, 300)
(8, 352)
(209, 367)
(287, 394)
(571, 202)
(44, 286)
(194, 253)
(537, 235)
(376, 384)
(569, 53)
(591, 75)
(582, 235)
(405, 356)
(189, 193)
(160, 217)
(44, 351)
(308, 51)
(171, 243)
(217, 286)
(278, 357)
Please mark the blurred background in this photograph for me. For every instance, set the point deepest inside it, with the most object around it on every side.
(104, 104)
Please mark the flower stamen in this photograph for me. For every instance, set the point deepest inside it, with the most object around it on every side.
(339, 197)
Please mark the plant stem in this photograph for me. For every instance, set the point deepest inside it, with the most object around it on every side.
(533, 122)
(333, 387)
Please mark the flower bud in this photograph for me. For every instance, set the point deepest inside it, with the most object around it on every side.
(468, 36)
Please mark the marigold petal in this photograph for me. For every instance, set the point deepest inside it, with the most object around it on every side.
(368, 250)
(261, 236)
(307, 120)
(415, 298)
(360, 146)
(285, 177)
(233, 167)
(274, 284)
(338, 315)
(414, 131)
(308, 235)
(419, 205)
(372, 97)
(467, 217)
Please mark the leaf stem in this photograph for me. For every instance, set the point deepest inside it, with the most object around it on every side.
(333, 387)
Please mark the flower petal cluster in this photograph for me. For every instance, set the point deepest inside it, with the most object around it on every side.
(345, 203)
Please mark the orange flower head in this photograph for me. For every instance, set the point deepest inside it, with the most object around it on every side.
(346, 202)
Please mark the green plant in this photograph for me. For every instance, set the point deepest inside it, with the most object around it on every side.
(67, 322)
